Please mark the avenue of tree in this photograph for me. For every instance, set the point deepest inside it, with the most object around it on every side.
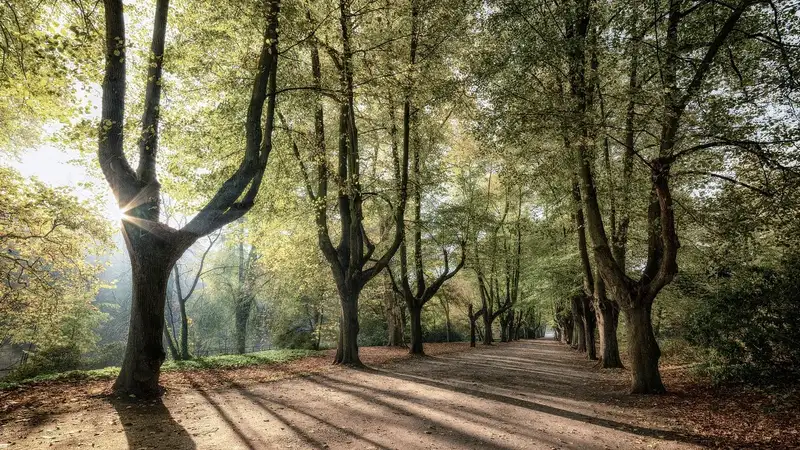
(351, 172)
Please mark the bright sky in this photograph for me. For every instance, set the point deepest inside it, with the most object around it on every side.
(58, 167)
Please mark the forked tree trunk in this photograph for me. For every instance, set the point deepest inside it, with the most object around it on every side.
(151, 263)
(644, 351)
(347, 347)
(415, 313)
(154, 247)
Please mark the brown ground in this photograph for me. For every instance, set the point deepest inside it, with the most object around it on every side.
(523, 395)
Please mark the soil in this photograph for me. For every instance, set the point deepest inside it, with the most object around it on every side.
(521, 395)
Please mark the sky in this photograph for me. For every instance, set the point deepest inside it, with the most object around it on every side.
(59, 167)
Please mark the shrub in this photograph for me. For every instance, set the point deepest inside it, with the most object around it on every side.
(439, 334)
(107, 355)
(751, 323)
(296, 338)
(61, 358)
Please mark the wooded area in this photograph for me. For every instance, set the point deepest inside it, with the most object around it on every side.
(188, 180)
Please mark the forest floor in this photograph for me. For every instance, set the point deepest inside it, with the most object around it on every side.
(522, 395)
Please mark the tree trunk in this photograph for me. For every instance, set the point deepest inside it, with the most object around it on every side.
(644, 351)
(151, 263)
(416, 330)
(511, 325)
(395, 322)
(607, 320)
(172, 350)
(579, 340)
(243, 307)
(184, 331)
(319, 329)
(503, 328)
(347, 347)
(447, 324)
(487, 329)
(472, 333)
(589, 327)
(472, 320)
(607, 313)
(394, 319)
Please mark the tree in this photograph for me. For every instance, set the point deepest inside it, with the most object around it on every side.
(154, 247)
(180, 347)
(635, 297)
(349, 259)
(47, 286)
(498, 280)
(244, 294)
(417, 297)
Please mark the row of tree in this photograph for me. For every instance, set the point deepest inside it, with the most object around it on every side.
(553, 149)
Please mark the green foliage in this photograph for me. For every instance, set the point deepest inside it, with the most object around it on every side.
(237, 361)
(48, 286)
(61, 358)
(439, 334)
(490, 101)
(108, 355)
(296, 338)
(750, 321)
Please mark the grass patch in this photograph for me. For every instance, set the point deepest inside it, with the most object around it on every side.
(237, 361)
(201, 363)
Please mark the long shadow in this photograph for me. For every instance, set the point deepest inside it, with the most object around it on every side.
(607, 423)
(337, 385)
(253, 397)
(465, 413)
(221, 411)
(510, 368)
(150, 425)
(258, 402)
(541, 382)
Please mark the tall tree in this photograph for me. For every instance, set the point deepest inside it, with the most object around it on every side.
(416, 297)
(154, 247)
(635, 297)
(350, 259)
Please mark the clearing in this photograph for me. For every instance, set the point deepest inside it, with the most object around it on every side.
(521, 395)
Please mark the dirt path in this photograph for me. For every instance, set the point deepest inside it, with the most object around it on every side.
(523, 395)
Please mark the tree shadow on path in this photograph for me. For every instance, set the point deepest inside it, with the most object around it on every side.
(456, 364)
(151, 426)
